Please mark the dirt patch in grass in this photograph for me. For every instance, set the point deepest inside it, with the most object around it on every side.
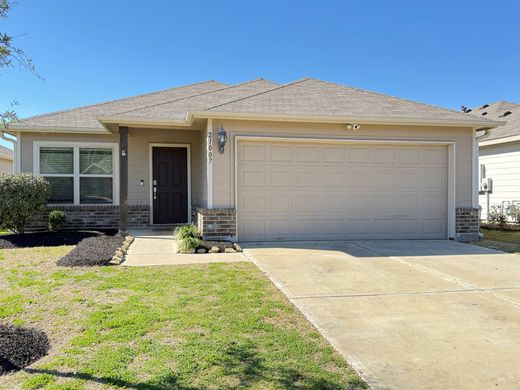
(31, 240)
(93, 251)
(20, 347)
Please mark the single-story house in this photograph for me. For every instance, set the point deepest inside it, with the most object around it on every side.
(6, 160)
(499, 158)
(262, 161)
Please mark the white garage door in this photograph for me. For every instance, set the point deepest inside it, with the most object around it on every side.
(319, 191)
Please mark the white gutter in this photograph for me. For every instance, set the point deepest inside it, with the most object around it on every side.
(58, 129)
(481, 124)
(16, 154)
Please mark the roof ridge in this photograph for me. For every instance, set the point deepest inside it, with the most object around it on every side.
(392, 96)
(116, 100)
(259, 93)
(188, 97)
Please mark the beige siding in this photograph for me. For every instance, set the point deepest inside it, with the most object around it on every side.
(139, 156)
(6, 166)
(223, 169)
(502, 164)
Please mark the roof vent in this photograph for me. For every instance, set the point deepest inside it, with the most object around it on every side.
(484, 106)
(506, 113)
(484, 113)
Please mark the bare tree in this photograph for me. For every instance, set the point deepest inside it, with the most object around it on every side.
(10, 54)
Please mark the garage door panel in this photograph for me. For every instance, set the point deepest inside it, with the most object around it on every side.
(297, 191)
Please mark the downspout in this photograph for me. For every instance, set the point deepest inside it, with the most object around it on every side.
(16, 160)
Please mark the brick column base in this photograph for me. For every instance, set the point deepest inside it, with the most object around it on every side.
(216, 224)
(99, 216)
(467, 224)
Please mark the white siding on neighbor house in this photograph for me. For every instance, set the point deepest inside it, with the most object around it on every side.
(502, 165)
(224, 166)
(139, 141)
(6, 166)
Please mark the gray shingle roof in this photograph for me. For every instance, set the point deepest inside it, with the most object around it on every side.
(308, 97)
(85, 117)
(495, 111)
(314, 97)
(6, 153)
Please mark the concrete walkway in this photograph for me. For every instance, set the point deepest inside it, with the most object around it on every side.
(155, 247)
(408, 314)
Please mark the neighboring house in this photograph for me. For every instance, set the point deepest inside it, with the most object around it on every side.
(261, 161)
(6, 160)
(499, 157)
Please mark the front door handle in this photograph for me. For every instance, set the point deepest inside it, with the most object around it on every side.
(155, 193)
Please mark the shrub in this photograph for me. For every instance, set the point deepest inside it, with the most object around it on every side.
(56, 220)
(21, 196)
(187, 237)
(497, 216)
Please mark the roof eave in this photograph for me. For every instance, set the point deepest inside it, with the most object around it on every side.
(129, 121)
(497, 141)
(57, 129)
(480, 124)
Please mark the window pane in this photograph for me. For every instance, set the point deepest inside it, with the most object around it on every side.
(95, 190)
(94, 161)
(56, 160)
(62, 189)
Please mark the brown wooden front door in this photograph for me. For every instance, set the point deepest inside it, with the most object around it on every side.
(170, 185)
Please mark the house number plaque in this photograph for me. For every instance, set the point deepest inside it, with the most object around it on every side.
(210, 147)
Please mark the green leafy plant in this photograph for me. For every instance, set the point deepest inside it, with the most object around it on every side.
(56, 220)
(187, 237)
(21, 196)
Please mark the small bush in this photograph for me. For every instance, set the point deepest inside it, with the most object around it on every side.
(497, 216)
(21, 196)
(187, 237)
(20, 347)
(56, 220)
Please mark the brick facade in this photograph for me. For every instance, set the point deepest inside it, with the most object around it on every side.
(100, 216)
(467, 224)
(216, 224)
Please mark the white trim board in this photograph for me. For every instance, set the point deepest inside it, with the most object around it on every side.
(451, 233)
(188, 167)
(76, 146)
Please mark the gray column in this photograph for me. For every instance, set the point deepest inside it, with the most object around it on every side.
(123, 179)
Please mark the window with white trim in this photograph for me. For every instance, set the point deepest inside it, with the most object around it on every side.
(78, 174)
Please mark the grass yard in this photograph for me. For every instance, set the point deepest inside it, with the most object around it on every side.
(507, 241)
(217, 326)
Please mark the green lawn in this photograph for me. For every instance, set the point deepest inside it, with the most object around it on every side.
(506, 241)
(218, 326)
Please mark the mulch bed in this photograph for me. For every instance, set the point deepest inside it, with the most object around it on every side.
(29, 240)
(92, 251)
(20, 347)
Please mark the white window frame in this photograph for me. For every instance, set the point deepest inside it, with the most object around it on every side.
(76, 146)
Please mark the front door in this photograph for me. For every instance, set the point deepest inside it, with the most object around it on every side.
(170, 185)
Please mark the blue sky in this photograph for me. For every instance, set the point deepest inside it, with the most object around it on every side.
(445, 53)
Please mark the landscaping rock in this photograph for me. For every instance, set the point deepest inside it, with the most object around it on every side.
(20, 347)
(230, 250)
(94, 251)
(220, 244)
(201, 250)
(238, 248)
(191, 251)
(214, 249)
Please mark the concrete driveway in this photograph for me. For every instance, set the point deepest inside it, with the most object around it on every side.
(408, 314)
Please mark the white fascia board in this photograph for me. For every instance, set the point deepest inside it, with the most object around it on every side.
(57, 129)
(484, 124)
(497, 141)
(129, 121)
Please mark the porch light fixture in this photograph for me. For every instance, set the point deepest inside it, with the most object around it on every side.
(221, 139)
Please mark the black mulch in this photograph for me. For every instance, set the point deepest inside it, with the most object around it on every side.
(20, 347)
(29, 240)
(93, 251)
